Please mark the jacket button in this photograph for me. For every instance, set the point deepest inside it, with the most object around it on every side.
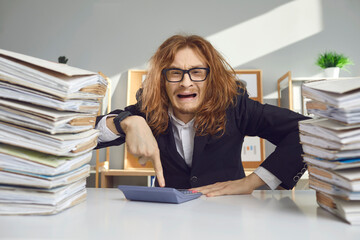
(194, 179)
(296, 178)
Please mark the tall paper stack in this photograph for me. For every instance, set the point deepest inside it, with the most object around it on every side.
(331, 143)
(47, 118)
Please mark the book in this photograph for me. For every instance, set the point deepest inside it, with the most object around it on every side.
(45, 119)
(344, 178)
(346, 210)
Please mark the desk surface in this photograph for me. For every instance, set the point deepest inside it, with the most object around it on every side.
(262, 215)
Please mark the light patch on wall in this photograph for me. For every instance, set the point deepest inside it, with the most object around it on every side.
(276, 29)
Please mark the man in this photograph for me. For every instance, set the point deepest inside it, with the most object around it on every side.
(191, 119)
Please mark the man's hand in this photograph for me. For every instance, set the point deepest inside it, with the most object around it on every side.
(141, 143)
(242, 186)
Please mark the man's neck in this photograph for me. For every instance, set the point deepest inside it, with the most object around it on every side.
(185, 118)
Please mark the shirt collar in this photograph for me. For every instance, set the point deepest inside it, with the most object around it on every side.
(177, 121)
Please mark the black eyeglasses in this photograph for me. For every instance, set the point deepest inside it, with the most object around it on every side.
(177, 74)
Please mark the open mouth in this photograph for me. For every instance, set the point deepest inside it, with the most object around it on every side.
(184, 96)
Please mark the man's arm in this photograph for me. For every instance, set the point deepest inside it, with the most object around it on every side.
(140, 141)
(242, 186)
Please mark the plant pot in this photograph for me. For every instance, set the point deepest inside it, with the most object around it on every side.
(332, 72)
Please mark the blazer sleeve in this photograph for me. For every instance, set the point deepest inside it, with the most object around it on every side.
(134, 110)
(280, 127)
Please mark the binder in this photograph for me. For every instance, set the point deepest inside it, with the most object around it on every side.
(73, 144)
(345, 178)
(330, 154)
(19, 178)
(339, 92)
(33, 162)
(346, 210)
(57, 79)
(332, 164)
(328, 188)
(45, 119)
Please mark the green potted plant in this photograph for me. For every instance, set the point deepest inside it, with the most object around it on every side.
(331, 62)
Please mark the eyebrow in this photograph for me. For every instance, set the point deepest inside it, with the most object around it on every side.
(195, 66)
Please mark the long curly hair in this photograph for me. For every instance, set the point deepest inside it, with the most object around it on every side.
(220, 92)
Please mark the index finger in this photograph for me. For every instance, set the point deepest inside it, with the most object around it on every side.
(158, 170)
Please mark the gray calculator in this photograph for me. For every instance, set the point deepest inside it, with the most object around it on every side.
(158, 194)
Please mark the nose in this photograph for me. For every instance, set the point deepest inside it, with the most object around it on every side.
(186, 81)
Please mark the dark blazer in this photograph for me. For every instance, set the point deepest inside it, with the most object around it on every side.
(217, 159)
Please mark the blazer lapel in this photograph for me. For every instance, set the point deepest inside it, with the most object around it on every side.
(168, 142)
(199, 145)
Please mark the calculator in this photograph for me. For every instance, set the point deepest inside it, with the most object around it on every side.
(158, 194)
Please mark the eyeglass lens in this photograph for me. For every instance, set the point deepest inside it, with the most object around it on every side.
(196, 74)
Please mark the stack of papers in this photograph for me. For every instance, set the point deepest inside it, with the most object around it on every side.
(331, 145)
(347, 210)
(47, 118)
(338, 99)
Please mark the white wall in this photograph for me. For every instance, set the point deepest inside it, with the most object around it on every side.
(114, 36)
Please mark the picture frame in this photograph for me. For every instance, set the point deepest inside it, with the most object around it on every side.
(253, 149)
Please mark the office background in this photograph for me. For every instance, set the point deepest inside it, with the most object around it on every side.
(115, 36)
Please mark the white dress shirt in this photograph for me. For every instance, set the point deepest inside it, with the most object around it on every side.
(184, 134)
(105, 134)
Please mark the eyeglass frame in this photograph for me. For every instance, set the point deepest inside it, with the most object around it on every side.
(164, 71)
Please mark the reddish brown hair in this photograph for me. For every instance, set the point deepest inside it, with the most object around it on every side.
(220, 92)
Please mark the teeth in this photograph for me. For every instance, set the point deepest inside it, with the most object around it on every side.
(186, 96)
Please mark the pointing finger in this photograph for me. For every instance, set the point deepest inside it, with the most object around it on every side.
(159, 170)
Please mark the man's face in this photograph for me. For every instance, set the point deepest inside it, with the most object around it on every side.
(186, 96)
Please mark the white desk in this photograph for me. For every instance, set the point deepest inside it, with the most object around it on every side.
(262, 215)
